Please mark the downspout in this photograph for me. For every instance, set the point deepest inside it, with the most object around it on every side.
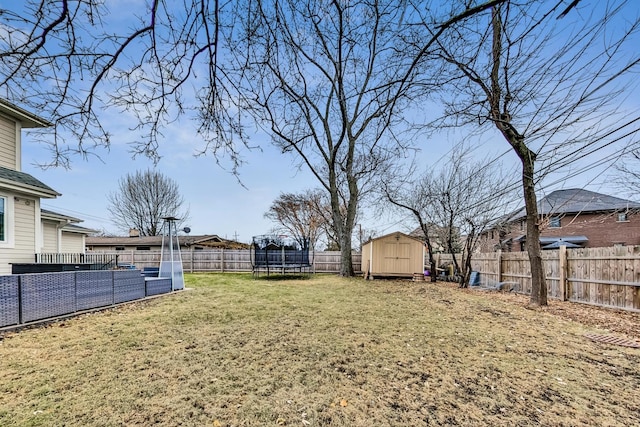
(59, 228)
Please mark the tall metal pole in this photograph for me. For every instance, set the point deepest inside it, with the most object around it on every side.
(170, 221)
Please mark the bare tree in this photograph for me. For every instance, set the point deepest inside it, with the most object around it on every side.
(453, 204)
(628, 173)
(467, 196)
(323, 208)
(406, 197)
(71, 61)
(329, 80)
(321, 77)
(298, 214)
(549, 77)
(143, 199)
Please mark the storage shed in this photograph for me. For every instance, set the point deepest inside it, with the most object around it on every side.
(393, 255)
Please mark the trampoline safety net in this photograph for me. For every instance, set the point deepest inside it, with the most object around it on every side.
(279, 255)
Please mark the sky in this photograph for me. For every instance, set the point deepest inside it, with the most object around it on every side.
(219, 204)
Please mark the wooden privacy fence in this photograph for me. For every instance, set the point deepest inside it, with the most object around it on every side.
(227, 260)
(608, 277)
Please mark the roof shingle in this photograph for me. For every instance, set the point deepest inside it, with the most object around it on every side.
(24, 179)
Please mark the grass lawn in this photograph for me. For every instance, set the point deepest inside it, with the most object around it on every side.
(324, 351)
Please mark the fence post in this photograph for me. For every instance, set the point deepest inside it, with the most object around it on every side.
(222, 260)
(313, 261)
(191, 259)
(499, 269)
(564, 283)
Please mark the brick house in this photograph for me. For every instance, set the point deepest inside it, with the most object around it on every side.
(573, 218)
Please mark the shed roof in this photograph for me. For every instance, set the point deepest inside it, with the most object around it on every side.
(396, 233)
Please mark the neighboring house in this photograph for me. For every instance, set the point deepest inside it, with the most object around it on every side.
(62, 234)
(24, 228)
(573, 218)
(154, 243)
(438, 238)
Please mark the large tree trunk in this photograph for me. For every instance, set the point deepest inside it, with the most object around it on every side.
(528, 159)
(502, 119)
(538, 282)
(343, 221)
(346, 261)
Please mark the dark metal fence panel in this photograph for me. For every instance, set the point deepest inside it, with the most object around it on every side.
(94, 289)
(47, 295)
(157, 286)
(9, 302)
(32, 297)
(128, 285)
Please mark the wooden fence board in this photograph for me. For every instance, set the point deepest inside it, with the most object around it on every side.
(219, 260)
(599, 276)
(607, 277)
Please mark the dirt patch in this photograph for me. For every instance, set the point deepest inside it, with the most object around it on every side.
(615, 321)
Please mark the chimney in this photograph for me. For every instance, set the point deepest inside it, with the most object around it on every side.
(133, 232)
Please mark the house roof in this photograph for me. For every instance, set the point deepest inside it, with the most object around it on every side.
(73, 228)
(209, 240)
(23, 182)
(69, 222)
(27, 119)
(577, 200)
(47, 214)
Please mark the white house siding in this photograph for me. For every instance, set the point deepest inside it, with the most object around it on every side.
(72, 243)
(8, 134)
(50, 237)
(24, 235)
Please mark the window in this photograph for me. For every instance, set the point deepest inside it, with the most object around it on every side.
(554, 222)
(143, 248)
(3, 219)
(119, 248)
(522, 224)
(622, 217)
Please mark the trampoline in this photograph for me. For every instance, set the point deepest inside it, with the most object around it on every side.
(274, 254)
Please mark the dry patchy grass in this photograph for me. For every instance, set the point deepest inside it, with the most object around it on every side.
(325, 351)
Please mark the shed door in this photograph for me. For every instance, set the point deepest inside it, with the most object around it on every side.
(396, 257)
